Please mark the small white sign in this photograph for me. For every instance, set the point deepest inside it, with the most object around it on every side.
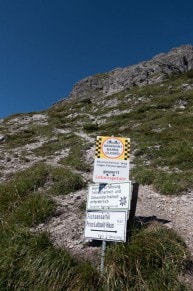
(109, 196)
(109, 226)
(107, 171)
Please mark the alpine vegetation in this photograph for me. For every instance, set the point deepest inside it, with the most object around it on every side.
(47, 161)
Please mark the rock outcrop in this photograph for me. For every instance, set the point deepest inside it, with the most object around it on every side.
(177, 61)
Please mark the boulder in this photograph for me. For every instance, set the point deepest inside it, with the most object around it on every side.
(2, 138)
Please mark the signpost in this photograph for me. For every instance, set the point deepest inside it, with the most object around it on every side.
(109, 198)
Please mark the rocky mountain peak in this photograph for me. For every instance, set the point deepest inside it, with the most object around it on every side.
(159, 68)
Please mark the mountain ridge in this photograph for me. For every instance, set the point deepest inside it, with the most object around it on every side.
(159, 68)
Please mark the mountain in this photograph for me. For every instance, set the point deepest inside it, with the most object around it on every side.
(177, 61)
(46, 162)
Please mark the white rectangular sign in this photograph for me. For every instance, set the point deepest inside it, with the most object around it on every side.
(106, 225)
(107, 171)
(109, 196)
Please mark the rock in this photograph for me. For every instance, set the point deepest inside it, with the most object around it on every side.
(177, 61)
(2, 138)
(186, 87)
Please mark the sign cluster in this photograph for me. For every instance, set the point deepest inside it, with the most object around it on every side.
(109, 197)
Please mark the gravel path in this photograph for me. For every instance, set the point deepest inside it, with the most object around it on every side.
(67, 227)
(174, 211)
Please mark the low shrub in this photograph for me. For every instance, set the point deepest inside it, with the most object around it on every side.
(91, 127)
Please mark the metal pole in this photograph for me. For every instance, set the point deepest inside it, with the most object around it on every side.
(103, 255)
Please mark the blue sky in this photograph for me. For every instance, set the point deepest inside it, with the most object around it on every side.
(46, 46)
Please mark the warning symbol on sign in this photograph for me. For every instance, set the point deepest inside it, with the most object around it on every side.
(112, 148)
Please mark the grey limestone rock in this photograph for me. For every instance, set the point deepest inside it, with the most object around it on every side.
(177, 61)
(2, 138)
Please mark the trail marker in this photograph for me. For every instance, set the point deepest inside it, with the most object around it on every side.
(106, 225)
(109, 201)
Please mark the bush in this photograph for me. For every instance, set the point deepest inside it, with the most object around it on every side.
(91, 127)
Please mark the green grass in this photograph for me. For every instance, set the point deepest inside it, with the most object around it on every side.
(160, 130)
(30, 262)
(20, 139)
(49, 148)
(22, 197)
(35, 209)
(76, 158)
(165, 182)
(43, 130)
(161, 140)
(65, 181)
(61, 142)
(151, 261)
(27, 136)
(14, 192)
(75, 161)
(91, 127)
(161, 133)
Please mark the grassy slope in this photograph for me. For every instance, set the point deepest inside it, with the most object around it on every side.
(158, 119)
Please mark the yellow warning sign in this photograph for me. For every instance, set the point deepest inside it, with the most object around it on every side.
(110, 147)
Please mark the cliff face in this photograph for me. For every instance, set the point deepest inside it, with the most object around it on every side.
(177, 61)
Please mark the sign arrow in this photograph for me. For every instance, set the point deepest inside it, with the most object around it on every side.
(115, 231)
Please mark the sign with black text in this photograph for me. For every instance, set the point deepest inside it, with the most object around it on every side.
(109, 196)
(106, 225)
